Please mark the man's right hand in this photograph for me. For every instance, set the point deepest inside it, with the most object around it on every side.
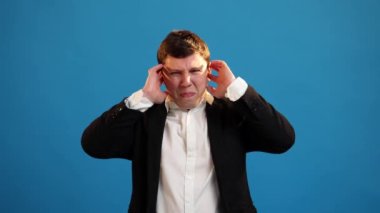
(152, 86)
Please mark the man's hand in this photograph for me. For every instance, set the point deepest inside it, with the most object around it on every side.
(152, 88)
(223, 79)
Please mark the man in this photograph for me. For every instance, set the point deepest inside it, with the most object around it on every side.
(188, 144)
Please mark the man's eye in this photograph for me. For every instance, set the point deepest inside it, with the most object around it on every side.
(175, 73)
(195, 71)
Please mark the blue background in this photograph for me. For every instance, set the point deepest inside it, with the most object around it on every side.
(63, 63)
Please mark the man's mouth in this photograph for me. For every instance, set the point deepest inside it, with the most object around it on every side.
(187, 94)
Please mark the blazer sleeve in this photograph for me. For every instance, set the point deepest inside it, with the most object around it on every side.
(112, 135)
(264, 128)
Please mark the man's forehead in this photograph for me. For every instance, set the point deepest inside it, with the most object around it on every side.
(190, 62)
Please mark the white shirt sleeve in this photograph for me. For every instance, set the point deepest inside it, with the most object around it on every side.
(138, 101)
(236, 89)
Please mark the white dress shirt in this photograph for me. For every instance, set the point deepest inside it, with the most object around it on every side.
(188, 181)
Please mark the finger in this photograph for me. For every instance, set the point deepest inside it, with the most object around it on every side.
(211, 89)
(156, 68)
(159, 68)
(214, 65)
(163, 73)
(212, 77)
(160, 75)
(216, 62)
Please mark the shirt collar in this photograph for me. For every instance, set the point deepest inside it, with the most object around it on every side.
(207, 97)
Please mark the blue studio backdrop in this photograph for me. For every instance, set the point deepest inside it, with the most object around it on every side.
(63, 63)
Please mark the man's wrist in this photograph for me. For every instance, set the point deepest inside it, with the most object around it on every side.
(236, 89)
(138, 101)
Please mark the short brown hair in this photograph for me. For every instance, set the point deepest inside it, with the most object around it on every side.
(180, 44)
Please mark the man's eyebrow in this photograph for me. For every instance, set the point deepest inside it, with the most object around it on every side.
(197, 68)
(179, 70)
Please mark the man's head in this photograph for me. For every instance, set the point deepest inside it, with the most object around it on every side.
(186, 59)
(180, 44)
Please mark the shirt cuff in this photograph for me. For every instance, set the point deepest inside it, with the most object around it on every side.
(138, 101)
(236, 89)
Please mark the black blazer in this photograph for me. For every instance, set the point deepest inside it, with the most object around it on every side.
(234, 128)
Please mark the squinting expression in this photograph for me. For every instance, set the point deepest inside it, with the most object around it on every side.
(186, 79)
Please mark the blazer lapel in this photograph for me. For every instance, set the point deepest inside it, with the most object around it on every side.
(214, 127)
(155, 124)
(218, 150)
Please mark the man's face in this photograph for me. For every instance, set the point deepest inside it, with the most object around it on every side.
(186, 79)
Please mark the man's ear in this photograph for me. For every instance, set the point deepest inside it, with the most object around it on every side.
(209, 68)
(208, 72)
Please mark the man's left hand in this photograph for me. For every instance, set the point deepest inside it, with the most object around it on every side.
(224, 78)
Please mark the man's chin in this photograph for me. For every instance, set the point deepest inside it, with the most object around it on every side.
(188, 104)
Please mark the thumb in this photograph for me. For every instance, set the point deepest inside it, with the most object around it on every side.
(161, 96)
(212, 90)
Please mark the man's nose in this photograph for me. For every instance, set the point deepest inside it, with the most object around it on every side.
(186, 79)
